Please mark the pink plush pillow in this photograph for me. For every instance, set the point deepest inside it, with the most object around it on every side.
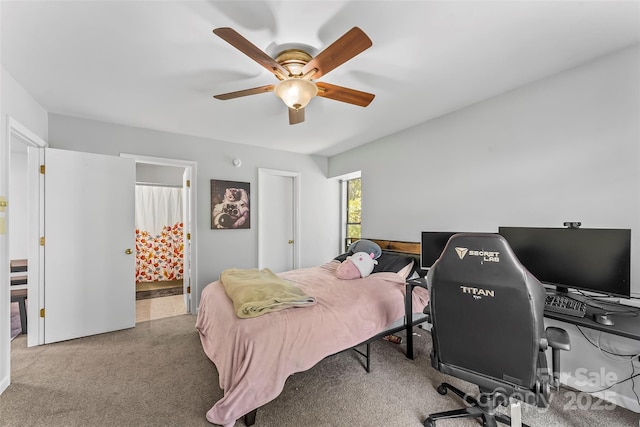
(347, 270)
(358, 265)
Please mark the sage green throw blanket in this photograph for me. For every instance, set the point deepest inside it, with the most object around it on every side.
(255, 292)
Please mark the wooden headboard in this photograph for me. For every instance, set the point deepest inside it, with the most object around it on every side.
(412, 248)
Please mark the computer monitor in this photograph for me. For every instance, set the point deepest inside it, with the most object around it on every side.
(432, 244)
(589, 259)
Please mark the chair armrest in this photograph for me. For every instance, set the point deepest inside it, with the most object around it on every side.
(410, 286)
(558, 338)
(421, 282)
(408, 307)
(427, 312)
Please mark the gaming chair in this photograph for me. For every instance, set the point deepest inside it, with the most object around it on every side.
(486, 312)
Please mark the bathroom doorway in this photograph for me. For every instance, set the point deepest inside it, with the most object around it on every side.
(164, 237)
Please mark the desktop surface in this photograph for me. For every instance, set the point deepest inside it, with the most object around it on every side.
(623, 325)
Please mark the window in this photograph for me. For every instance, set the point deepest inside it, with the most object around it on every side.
(353, 214)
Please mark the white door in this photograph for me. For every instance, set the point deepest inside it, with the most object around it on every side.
(89, 280)
(277, 221)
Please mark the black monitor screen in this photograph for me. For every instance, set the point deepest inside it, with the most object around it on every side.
(432, 244)
(591, 259)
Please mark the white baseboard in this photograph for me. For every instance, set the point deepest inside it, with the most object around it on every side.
(4, 383)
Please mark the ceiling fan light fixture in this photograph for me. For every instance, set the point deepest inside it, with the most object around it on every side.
(296, 92)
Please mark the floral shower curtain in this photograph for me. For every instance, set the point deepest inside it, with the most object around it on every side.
(159, 245)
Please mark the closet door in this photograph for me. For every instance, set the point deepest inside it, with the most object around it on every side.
(89, 280)
(277, 221)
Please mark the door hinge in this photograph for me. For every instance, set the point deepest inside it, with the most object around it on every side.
(42, 241)
(188, 183)
(188, 236)
(188, 289)
(42, 312)
(42, 169)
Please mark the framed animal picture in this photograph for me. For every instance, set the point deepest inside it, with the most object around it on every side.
(230, 205)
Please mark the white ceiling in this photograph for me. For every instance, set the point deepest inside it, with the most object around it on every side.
(157, 64)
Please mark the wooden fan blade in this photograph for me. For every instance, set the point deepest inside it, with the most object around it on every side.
(344, 94)
(246, 92)
(346, 47)
(232, 37)
(296, 116)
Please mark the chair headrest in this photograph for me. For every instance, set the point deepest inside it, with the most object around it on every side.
(472, 255)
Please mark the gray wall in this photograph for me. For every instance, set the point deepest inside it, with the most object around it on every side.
(566, 148)
(220, 249)
(19, 104)
(157, 174)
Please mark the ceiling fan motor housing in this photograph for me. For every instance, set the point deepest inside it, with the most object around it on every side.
(293, 60)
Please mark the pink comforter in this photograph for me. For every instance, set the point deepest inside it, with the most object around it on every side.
(254, 357)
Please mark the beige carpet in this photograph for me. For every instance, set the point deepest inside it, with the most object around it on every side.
(156, 374)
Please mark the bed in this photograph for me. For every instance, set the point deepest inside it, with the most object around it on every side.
(254, 356)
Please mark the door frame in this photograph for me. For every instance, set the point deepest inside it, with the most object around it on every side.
(296, 213)
(190, 166)
(15, 129)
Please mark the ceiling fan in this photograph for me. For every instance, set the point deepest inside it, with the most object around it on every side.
(296, 71)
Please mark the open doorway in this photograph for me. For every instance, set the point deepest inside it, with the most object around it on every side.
(164, 214)
(18, 236)
(24, 155)
(159, 242)
(16, 181)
